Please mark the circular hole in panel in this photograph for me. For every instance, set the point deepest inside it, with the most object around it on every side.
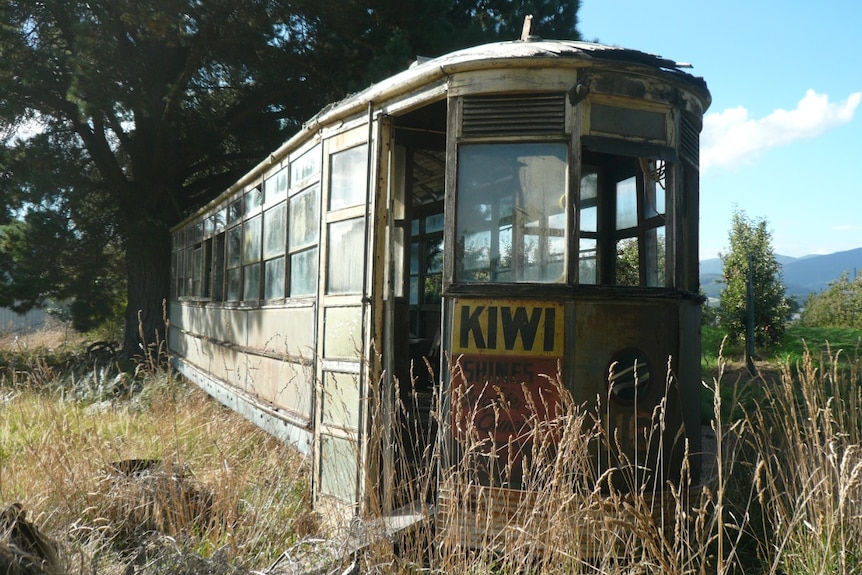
(628, 375)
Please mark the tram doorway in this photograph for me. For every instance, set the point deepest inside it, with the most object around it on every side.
(419, 158)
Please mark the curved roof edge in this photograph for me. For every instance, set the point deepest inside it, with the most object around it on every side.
(435, 69)
(534, 50)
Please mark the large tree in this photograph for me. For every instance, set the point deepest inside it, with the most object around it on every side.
(147, 109)
(751, 244)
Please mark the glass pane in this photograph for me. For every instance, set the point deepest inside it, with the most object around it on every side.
(341, 400)
(398, 256)
(476, 260)
(233, 284)
(434, 223)
(654, 187)
(251, 282)
(589, 186)
(181, 273)
(414, 258)
(273, 277)
(338, 467)
(555, 265)
(303, 272)
(218, 268)
(628, 266)
(174, 275)
(234, 211)
(342, 333)
(509, 197)
(251, 240)
(306, 166)
(628, 122)
(197, 271)
(276, 186)
(414, 290)
(253, 199)
(434, 255)
(274, 232)
(589, 219)
(587, 261)
(627, 204)
(655, 257)
(589, 211)
(304, 218)
(433, 289)
(348, 179)
(345, 257)
(220, 219)
(233, 246)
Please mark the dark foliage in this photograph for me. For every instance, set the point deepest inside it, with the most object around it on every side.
(147, 110)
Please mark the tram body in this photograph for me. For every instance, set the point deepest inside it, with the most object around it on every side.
(508, 217)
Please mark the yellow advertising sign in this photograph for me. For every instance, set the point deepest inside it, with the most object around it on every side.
(508, 327)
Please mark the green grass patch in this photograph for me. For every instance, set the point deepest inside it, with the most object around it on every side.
(819, 340)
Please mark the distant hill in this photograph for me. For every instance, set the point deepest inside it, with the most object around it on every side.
(802, 276)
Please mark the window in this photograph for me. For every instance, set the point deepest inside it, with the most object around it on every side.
(274, 235)
(262, 244)
(589, 221)
(303, 236)
(305, 167)
(622, 221)
(511, 220)
(234, 242)
(346, 256)
(234, 211)
(346, 237)
(348, 178)
(251, 236)
(253, 199)
(426, 260)
(197, 272)
(275, 186)
(218, 267)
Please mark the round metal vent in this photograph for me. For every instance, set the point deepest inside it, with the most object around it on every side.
(628, 375)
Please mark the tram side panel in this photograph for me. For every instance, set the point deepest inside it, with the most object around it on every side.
(264, 357)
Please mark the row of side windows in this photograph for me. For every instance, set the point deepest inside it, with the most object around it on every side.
(261, 245)
(264, 244)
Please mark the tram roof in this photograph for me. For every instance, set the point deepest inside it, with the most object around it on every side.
(533, 52)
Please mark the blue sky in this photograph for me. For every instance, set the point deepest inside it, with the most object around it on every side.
(782, 139)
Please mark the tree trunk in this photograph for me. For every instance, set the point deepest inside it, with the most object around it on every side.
(148, 265)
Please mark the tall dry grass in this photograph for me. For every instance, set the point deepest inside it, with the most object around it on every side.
(780, 491)
(142, 472)
(805, 442)
(149, 474)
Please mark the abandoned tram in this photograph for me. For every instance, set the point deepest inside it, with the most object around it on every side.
(477, 234)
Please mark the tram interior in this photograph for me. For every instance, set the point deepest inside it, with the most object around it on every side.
(420, 142)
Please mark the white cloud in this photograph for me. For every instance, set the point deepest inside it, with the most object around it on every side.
(731, 137)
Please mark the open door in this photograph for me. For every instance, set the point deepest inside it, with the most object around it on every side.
(414, 312)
